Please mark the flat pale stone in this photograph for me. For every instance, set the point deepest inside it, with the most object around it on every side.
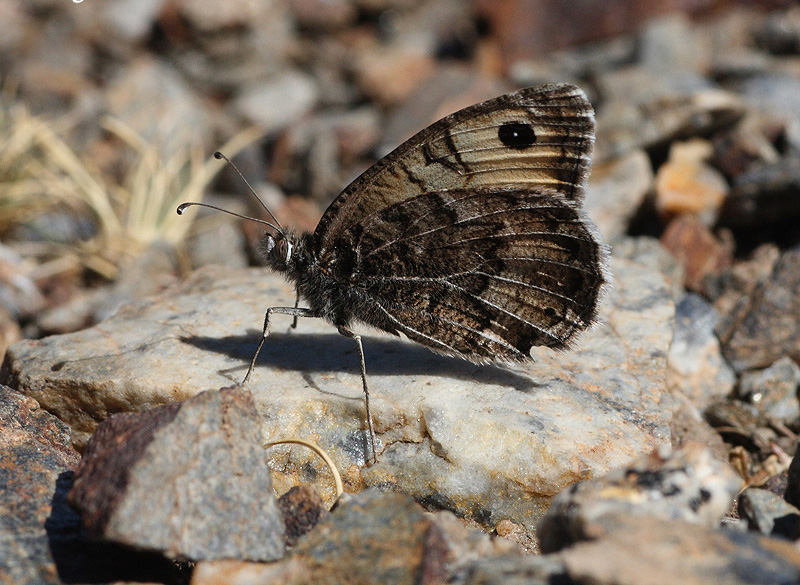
(486, 442)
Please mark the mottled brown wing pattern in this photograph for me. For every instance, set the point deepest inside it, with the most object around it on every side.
(538, 138)
(483, 273)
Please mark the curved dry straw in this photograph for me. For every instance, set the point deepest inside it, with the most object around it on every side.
(337, 478)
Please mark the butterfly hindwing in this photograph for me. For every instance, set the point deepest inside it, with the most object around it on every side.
(484, 274)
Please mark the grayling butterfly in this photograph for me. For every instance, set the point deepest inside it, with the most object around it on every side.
(468, 238)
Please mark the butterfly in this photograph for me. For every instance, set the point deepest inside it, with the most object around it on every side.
(468, 238)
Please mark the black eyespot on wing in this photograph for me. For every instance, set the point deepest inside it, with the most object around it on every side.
(517, 135)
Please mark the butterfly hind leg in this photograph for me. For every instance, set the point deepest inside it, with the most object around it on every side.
(294, 311)
(357, 338)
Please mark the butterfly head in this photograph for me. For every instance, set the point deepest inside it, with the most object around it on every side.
(278, 249)
(285, 252)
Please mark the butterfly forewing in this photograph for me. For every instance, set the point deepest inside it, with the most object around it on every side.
(537, 138)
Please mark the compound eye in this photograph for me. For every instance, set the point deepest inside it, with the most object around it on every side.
(282, 250)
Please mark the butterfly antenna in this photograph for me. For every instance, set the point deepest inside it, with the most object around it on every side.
(218, 155)
(182, 207)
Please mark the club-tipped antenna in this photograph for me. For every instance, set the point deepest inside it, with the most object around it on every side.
(182, 207)
(218, 155)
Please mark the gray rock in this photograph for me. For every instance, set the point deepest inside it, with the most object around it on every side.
(55, 66)
(79, 312)
(323, 15)
(392, 72)
(207, 17)
(769, 513)
(672, 43)
(428, 28)
(594, 59)
(131, 20)
(749, 145)
(153, 270)
(222, 244)
(734, 416)
(476, 440)
(766, 326)
(371, 538)
(514, 570)
(52, 227)
(616, 192)
(695, 364)
(173, 121)
(741, 63)
(640, 550)
(36, 452)
(186, 479)
(652, 253)
(775, 93)
(779, 32)
(278, 102)
(41, 538)
(687, 485)
(226, 46)
(730, 289)
(530, 72)
(642, 108)
(689, 426)
(13, 25)
(773, 390)
(320, 151)
(377, 537)
(384, 538)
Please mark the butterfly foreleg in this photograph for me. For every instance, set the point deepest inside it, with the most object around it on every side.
(295, 311)
(357, 338)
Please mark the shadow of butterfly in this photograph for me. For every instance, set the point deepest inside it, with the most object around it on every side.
(468, 238)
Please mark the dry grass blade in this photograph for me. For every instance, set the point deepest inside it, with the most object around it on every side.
(155, 187)
(38, 169)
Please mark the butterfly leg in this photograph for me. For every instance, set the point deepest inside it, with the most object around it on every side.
(373, 443)
(296, 305)
(295, 311)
